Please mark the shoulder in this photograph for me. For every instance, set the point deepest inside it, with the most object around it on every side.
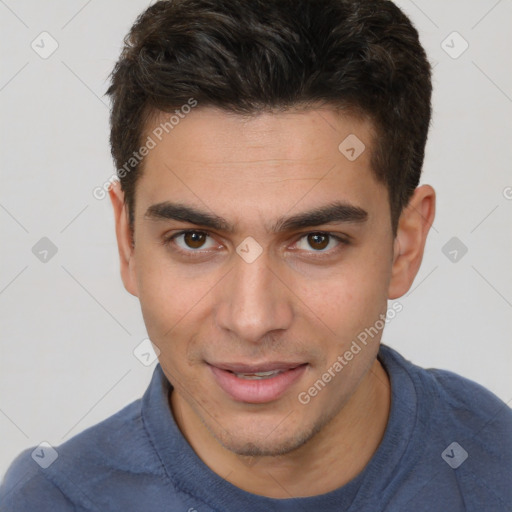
(462, 393)
(65, 477)
(475, 418)
(24, 488)
(458, 399)
(477, 411)
(466, 435)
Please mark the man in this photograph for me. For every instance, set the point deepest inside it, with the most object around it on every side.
(269, 155)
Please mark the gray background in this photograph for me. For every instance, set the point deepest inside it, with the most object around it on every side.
(68, 327)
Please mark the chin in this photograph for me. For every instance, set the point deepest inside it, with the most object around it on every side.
(282, 439)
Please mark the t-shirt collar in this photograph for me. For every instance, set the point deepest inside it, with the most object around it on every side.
(189, 474)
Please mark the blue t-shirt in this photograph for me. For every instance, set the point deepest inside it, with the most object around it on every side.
(447, 447)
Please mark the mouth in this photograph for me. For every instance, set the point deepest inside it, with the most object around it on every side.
(259, 383)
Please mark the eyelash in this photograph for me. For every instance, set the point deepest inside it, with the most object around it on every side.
(198, 253)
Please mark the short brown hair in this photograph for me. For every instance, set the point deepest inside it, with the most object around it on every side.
(247, 56)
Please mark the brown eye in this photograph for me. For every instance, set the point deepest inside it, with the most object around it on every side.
(191, 243)
(194, 239)
(318, 241)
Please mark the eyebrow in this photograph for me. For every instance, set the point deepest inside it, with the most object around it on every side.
(336, 212)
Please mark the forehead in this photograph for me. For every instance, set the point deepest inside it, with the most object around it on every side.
(211, 134)
(265, 161)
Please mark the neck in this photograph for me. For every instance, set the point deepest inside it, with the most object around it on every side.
(345, 446)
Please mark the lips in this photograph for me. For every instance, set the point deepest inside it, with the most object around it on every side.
(257, 384)
(258, 375)
(262, 367)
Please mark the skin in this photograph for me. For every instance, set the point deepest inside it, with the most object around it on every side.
(295, 302)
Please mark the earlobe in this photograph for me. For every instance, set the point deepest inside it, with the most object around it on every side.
(124, 238)
(413, 227)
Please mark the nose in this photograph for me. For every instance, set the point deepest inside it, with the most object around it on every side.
(254, 301)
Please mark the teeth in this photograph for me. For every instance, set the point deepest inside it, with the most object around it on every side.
(258, 375)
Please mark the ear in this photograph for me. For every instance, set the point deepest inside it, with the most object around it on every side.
(124, 238)
(413, 227)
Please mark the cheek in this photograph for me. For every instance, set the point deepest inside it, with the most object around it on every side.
(175, 305)
(164, 296)
(167, 306)
(162, 291)
(350, 299)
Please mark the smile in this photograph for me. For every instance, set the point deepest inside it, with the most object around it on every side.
(257, 385)
(259, 375)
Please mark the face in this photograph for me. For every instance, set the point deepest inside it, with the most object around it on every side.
(261, 253)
